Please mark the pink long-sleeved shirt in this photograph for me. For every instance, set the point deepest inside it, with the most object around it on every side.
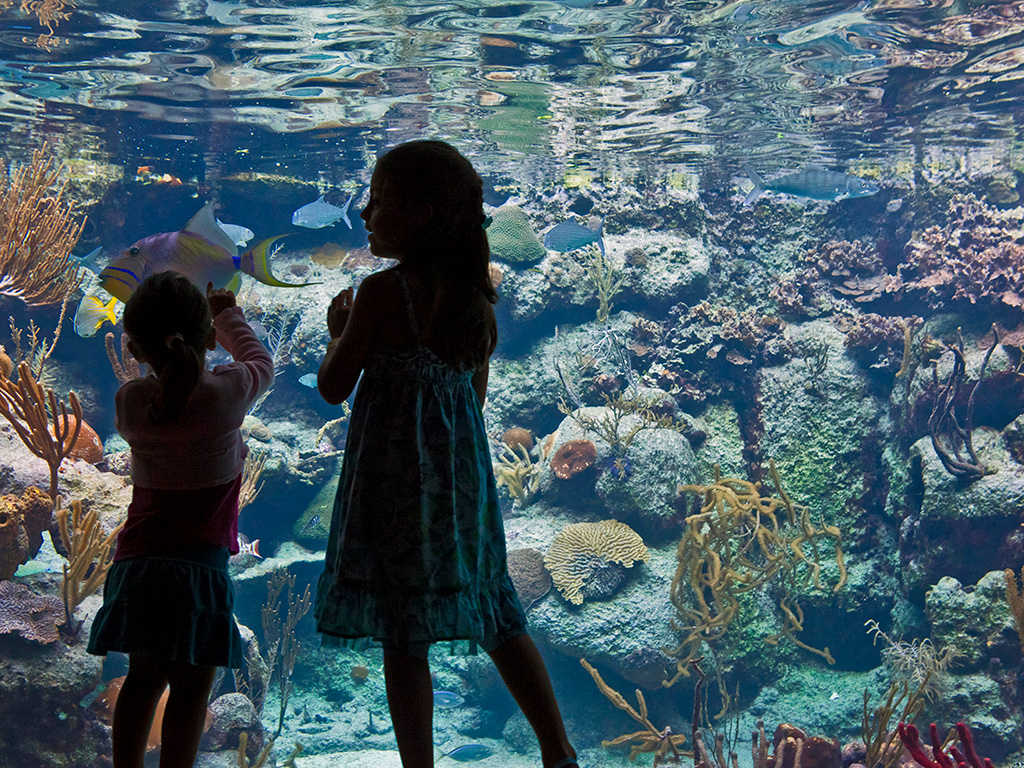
(186, 474)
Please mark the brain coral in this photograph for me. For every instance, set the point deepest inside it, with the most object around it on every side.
(512, 238)
(585, 552)
(531, 579)
(34, 617)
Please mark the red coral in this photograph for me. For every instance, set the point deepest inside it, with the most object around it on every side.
(912, 741)
(572, 458)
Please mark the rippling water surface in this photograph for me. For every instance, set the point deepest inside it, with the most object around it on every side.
(259, 84)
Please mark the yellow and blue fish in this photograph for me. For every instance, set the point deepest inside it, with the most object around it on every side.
(202, 251)
(92, 313)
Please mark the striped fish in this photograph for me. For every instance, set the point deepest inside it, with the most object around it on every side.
(201, 251)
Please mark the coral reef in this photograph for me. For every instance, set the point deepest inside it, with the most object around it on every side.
(1015, 599)
(582, 553)
(736, 543)
(90, 555)
(22, 522)
(29, 407)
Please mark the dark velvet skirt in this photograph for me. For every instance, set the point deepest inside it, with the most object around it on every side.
(176, 606)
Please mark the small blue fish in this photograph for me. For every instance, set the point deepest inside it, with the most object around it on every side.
(319, 214)
(570, 235)
(447, 699)
(814, 183)
(308, 380)
(312, 523)
(241, 235)
(468, 753)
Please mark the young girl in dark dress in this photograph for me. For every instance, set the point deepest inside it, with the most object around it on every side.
(416, 551)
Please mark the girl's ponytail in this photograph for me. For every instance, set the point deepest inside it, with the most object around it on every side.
(170, 321)
(178, 377)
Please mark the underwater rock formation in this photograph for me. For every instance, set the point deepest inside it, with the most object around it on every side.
(22, 522)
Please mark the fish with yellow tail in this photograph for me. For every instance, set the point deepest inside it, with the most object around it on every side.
(202, 251)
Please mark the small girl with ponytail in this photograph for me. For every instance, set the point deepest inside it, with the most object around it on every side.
(168, 600)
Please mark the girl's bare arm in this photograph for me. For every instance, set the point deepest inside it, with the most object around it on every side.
(346, 354)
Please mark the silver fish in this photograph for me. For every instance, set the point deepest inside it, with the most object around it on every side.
(814, 183)
(241, 235)
(319, 214)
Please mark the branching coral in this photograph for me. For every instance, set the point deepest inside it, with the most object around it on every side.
(517, 471)
(663, 743)
(738, 542)
(37, 234)
(279, 632)
(948, 436)
(606, 279)
(939, 759)
(24, 404)
(90, 555)
(615, 426)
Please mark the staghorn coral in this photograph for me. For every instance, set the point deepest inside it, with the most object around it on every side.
(738, 542)
(663, 743)
(22, 522)
(517, 471)
(34, 617)
(582, 551)
(511, 237)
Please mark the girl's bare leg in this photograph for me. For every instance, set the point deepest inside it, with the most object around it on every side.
(185, 714)
(522, 668)
(411, 701)
(136, 704)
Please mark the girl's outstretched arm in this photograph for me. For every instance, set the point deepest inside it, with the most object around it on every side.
(346, 352)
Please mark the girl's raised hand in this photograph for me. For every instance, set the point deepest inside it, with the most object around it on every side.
(338, 313)
(219, 299)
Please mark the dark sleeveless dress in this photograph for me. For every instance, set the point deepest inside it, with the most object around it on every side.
(416, 550)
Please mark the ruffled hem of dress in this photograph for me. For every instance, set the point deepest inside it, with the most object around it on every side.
(354, 616)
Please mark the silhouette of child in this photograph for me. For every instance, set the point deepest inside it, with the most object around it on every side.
(168, 600)
(416, 550)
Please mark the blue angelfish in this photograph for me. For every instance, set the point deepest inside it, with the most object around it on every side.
(813, 183)
(202, 251)
(319, 214)
(308, 380)
(570, 235)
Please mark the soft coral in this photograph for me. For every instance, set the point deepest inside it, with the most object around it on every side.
(969, 757)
